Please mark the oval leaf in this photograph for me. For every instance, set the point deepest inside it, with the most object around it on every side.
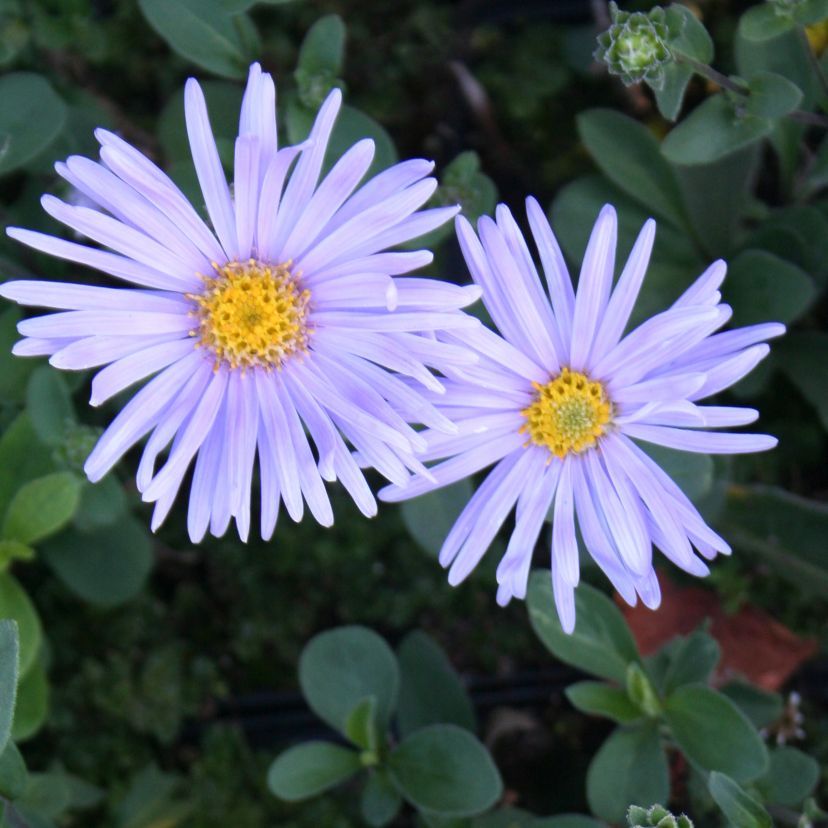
(9, 660)
(712, 131)
(107, 566)
(430, 691)
(339, 668)
(31, 118)
(601, 643)
(762, 287)
(629, 767)
(741, 810)
(42, 507)
(14, 777)
(714, 734)
(792, 776)
(764, 22)
(202, 31)
(32, 703)
(444, 770)
(628, 154)
(772, 95)
(16, 604)
(429, 518)
(49, 405)
(601, 699)
(306, 770)
(380, 802)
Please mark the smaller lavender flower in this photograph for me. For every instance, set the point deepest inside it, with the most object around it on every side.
(284, 320)
(560, 404)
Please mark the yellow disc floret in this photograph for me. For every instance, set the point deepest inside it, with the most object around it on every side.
(568, 414)
(252, 314)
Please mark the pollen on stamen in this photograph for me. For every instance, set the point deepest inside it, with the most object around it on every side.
(569, 414)
(252, 314)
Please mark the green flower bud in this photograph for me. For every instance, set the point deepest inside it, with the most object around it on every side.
(656, 817)
(635, 46)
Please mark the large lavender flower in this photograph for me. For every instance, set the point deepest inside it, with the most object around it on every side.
(559, 404)
(284, 316)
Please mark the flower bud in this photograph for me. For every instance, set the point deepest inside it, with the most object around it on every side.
(635, 46)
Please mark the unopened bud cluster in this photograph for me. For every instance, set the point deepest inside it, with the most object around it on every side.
(657, 816)
(635, 46)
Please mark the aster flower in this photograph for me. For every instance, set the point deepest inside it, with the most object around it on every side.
(287, 314)
(560, 404)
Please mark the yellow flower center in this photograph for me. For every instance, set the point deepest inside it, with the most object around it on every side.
(568, 414)
(252, 314)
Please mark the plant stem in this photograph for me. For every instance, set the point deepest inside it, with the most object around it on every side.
(713, 75)
(798, 115)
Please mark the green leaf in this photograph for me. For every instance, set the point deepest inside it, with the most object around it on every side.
(567, 821)
(717, 196)
(641, 691)
(32, 703)
(760, 706)
(429, 518)
(361, 725)
(772, 95)
(764, 22)
(670, 98)
(49, 405)
(42, 507)
(380, 802)
(47, 796)
(714, 734)
(150, 801)
(628, 155)
(31, 118)
(692, 472)
(341, 667)
(463, 183)
(792, 776)
(16, 605)
(762, 287)
(22, 458)
(601, 699)
(106, 566)
(202, 31)
(803, 357)
(14, 777)
(783, 55)
(741, 810)
(810, 11)
(601, 643)
(430, 690)
(445, 770)
(9, 667)
(713, 130)
(786, 530)
(693, 41)
(693, 38)
(692, 661)
(12, 550)
(309, 769)
(320, 59)
(101, 505)
(629, 767)
(673, 265)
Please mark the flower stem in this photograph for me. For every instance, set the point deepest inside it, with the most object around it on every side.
(799, 115)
